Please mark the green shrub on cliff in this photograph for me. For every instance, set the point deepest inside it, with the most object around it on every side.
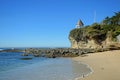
(76, 34)
(97, 31)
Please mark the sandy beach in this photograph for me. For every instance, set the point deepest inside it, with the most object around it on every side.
(105, 65)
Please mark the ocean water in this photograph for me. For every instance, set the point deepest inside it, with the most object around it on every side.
(12, 60)
(38, 68)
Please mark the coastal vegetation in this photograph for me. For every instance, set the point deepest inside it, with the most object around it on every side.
(110, 25)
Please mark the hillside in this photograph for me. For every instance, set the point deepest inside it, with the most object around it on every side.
(97, 35)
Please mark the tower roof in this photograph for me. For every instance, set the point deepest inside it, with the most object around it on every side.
(80, 23)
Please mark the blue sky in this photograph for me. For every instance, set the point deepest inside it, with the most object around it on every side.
(47, 23)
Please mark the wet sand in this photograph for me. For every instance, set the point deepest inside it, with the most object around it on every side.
(105, 65)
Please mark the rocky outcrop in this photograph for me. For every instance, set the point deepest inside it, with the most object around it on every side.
(97, 35)
(118, 38)
(94, 44)
(83, 44)
(57, 52)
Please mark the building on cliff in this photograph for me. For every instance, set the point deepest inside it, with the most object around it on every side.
(79, 24)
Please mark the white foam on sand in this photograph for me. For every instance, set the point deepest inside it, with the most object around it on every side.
(84, 74)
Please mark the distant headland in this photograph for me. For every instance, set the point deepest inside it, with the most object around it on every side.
(98, 35)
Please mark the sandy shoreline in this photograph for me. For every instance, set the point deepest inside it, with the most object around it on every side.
(105, 65)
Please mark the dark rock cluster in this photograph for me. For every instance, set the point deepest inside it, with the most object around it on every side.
(57, 52)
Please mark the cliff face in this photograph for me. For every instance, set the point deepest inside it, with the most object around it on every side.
(118, 38)
(93, 44)
(94, 39)
(82, 44)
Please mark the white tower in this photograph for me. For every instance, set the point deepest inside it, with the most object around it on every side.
(79, 24)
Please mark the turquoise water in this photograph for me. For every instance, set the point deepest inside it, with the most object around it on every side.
(13, 68)
(12, 60)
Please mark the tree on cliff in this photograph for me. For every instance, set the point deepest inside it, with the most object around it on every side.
(114, 20)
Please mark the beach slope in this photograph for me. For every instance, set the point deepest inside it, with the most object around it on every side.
(105, 65)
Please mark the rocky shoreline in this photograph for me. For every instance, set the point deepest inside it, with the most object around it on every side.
(58, 52)
(62, 52)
